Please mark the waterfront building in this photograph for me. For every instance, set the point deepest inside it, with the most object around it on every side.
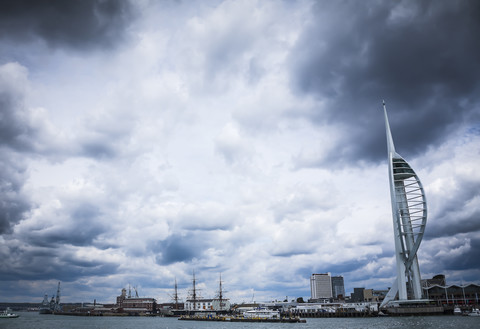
(338, 287)
(321, 286)
(199, 304)
(135, 304)
(409, 214)
(468, 294)
(367, 295)
(204, 304)
(357, 295)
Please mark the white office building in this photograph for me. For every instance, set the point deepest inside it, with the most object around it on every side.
(321, 286)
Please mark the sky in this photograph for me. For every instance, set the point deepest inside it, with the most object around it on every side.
(144, 141)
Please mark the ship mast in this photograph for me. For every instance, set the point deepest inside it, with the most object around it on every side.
(194, 293)
(175, 296)
(220, 292)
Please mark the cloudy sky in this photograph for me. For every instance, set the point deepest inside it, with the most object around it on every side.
(141, 141)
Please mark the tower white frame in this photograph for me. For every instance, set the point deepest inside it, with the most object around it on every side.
(409, 213)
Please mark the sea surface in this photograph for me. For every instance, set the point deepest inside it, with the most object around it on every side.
(47, 321)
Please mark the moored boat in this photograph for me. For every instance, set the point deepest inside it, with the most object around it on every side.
(262, 313)
(8, 314)
(474, 312)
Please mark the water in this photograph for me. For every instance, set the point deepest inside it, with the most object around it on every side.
(44, 321)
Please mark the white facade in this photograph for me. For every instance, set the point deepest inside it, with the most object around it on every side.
(207, 305)
(199, 305)
(321, 286)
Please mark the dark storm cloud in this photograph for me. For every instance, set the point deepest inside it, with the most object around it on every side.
(41, 264)
(14, 204)
(76, 24)
(179, 248)
(81, 229)
(345, 267)
(16, 132)
(466, 261)
(16, 136)
(460, 258)
(422, 57)
(459, 207)
(336, 269)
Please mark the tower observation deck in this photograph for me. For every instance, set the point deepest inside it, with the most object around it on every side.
(409, 213)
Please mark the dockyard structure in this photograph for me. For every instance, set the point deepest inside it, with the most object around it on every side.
(135, 304)
(321, 286)
(409, 214)
(53, 306)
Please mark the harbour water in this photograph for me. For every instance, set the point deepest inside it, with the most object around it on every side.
(37, 321)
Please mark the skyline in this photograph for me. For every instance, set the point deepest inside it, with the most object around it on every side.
(143, 140)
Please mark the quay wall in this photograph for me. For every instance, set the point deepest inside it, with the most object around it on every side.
(337, 314)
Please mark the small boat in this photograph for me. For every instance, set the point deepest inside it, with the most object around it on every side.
(7, 314)
(474, 312)
(457, 311)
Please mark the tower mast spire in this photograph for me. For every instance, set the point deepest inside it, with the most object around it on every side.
(390, 145)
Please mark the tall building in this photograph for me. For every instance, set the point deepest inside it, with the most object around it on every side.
(409, 213)
(321, 286)
(338, 287)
